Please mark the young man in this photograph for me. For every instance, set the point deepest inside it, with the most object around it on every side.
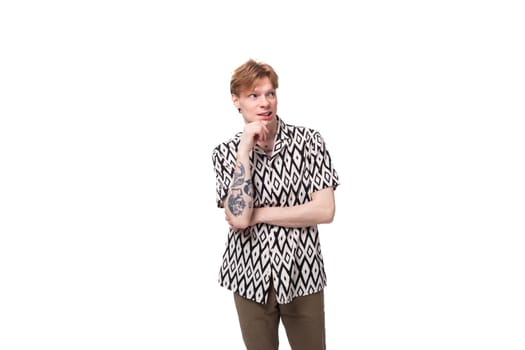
(276, 183)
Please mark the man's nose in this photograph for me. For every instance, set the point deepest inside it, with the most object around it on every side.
(264, 100)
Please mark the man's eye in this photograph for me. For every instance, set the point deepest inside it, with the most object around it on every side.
(271, 94)
(252, 96)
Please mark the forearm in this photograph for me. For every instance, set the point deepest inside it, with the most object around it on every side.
(320, 210)
(239, 201)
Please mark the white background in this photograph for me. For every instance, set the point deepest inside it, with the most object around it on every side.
(109, 234)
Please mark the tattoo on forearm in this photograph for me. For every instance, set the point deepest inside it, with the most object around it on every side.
(238, 177)
(236, 201)
(248, 187)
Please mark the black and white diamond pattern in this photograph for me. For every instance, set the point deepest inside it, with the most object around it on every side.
(290, 258)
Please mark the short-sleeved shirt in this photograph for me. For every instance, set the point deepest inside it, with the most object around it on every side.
(259, 256)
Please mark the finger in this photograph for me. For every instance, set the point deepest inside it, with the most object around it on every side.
(264, 129)
(264, 132)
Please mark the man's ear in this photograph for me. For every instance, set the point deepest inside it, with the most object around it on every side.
(235, 100)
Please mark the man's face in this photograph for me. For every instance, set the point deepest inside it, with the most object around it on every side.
(258, 103)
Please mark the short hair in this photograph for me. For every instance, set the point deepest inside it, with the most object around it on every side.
(244, 76)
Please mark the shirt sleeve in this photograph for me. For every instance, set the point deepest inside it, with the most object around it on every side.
(323, 173)
(223, 174)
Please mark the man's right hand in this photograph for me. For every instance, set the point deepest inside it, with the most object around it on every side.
(253, 132)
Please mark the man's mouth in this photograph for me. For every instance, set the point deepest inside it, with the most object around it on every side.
(265, 115)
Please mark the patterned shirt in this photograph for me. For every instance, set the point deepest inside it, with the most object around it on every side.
(288, 257)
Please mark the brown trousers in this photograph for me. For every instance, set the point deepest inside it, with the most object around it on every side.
(303, 320)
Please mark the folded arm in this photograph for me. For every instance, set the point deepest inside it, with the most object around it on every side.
(239, 201)
(320, 210)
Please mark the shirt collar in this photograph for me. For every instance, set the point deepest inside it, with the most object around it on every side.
(282, 136)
